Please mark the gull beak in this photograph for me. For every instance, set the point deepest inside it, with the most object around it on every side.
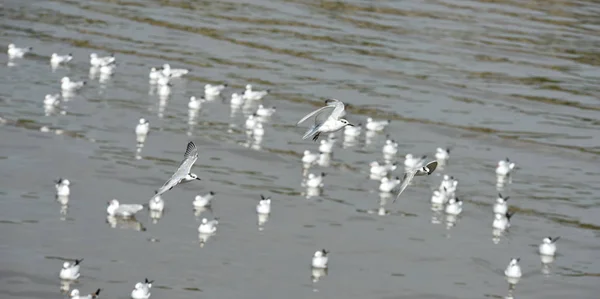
(198, 179)
(349, 124)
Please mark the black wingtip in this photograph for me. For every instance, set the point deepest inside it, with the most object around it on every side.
(155, 192)
(211, 193)
(77, 262)
(262, 197)
(146, 280)
(96, 293)
(323, 174)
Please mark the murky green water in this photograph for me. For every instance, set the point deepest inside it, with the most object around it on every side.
(491, 79)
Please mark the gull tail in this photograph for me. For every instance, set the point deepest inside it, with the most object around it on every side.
(312, 131)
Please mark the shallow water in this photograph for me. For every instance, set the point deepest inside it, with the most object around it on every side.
(490, 79)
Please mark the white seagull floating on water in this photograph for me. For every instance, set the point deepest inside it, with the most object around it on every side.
(213, 90)
(173, 73)
(320, 259)
(501, 207)
(70, 271)
(52, 100)
(142, 290)
(208, 227)
(156, 204)
(513, 270)
(376, 125)
(548, 246)
(96, 61)
(331, 122)
(201, 201)
(75, 294)
(14, 52)
(56, 59)
(254, 95)
(67, 85)
(62, 187)
(122, 210)
(264, 205)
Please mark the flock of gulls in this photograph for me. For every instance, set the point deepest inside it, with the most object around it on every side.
(327, 120)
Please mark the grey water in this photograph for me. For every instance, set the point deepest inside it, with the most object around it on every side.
(489, 79)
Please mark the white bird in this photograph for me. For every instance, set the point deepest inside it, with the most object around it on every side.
(163, 80)
(352, 132)
(439, 197)
(156, 204)
(56, 59)
(265, 111)
(326, 146)
(548, 246)
(173, 73)
(208, 227)
(381, 170)
(75, 294)
(320, 259)
(213, 90)
(417, 170)
(127, 210)
(195, 103)
(251, 122)
(97, 61)
(502, 222)
(442, 155)
(390, 147)
(504, 167)
(182, 174)
(501, 207)
(62, 187)
(309, 158)
(449, 184)
(331, 122)
(164, 90)
(314, 181)
(201, 201)
(254, 95)
(513, 270)
(258, 130)
(387, 185)
(108, 69)
(142, 128)
(411, 161)
(14, 52)
(142, 290)
(376, 125)
(52, 100)
(454, 206)
(264, 205)
(237, 100)
(67, 85)
(155, 74)
(70, 271)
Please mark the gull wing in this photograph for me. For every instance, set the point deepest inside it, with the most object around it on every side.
(409, 175)
(338, 111)
(431, 166)
(331, 103)
(189, 158)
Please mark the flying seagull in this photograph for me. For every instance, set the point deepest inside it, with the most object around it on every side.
(183, 174)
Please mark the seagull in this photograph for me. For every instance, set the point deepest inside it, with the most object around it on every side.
(70, 271)
(332, 123)
(173, 73)
(504, 168)
(52, 100)
(142, 128)
(309, 158)
(14, 52)
(116, 209)
(67, 85)
(442, 155)
(56, 59)
(213, 90)
(182, 174)
(156, 204)
(201, 201)
(387, 184)
(62, 187)
(265, 111)
(352, 132)
(502, 222)
(417, 170)
(439, 197)
(195, 103)
(381, 170)
(501, 207)
(237, 100)
(314, 181)
(264, 205)
(548, 246)
(376, 125)
(208, 227)
(75, 294)
(513, 270)
(390, 147)
(142, 290)
(320, 259)
(97, 61)
(326, 146)
(155, 74)
(454, 206)
(253, 95)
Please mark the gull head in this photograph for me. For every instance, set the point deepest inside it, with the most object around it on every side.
(143, 121)
(75, 293)
(93, 56)
(409, 156)
(11, 46)
(166, 66)
(369, 119)
(66, 182)
(138, 285)
(193, 176)
(248, 86)
(345, 122)
(66, 265)
(547, 240)
(318, 253)
(204, 221)
(113, 203)
(64, 79)
(514, 262)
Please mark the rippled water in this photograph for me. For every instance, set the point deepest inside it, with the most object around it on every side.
(491, 79)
